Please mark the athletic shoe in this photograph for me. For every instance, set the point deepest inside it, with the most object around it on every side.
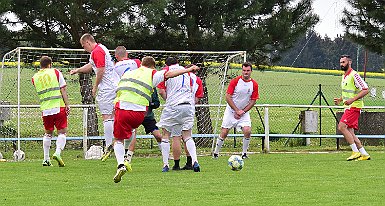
(175, 167)
(165, 169)
(187, 167)
(107, 152)
(215, 156)
(354, 156)
(364, 157)
(47, 163)
(128, 166)
(196, 167)
(59, 160)
(244, 156)
(119, 173)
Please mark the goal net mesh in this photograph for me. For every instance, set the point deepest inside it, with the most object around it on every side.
(16, 90)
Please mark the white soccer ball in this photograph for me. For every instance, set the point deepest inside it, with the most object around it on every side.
(235, 162)
(18, 155)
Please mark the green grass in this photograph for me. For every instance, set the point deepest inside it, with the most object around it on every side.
(267, 179)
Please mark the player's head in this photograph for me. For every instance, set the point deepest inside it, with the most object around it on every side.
(247, 68)
(88, 42)
(171, 61)
(45, 62)
(148, 62)
(345, 62)
(120, 53)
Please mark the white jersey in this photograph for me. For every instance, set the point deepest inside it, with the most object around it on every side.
(125, 65)
(100, 57)
(179, 89)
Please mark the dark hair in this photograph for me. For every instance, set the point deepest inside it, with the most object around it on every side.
(247, 64)
(45, 61)
(171, 60)
(345, 56)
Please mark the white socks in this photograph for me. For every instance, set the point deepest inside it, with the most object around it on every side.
(245, 146)
(354, 147)
(363, 151)
(165, 151)
(60, 143)
(46, 145)
(219, 144)
(129, 155)
(108, 131)
(119, 152)
(191, 148)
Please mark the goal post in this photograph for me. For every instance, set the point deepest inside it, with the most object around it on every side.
(19, 65)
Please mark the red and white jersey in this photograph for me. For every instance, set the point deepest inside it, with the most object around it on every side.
(100, 57)
(179, 89)
(157, 78)
(196, 82)
(126, 65)
(242, 92)
(358, 81)
(62, 83)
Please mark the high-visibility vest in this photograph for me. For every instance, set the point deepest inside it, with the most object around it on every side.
(48, 89)
(135, 86)
(349, 90)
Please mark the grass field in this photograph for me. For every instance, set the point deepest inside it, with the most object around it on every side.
(267, 179)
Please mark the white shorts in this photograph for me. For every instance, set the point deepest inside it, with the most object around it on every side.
(105, 99)
(177, 119)
(229, 120)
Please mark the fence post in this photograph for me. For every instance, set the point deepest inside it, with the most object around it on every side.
(85, 126)
(267, 138)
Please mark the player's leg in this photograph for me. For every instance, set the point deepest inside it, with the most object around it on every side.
(246, 141)
(190, 144)
(49, 127)
(60, 120)
(188, 165)
(228, 122)
(158, 137)
(176, 151)
(165, 149)
(108, 125)
(364, 154)
(129, 147)
(220, 141)
(150, 127)
(347, 120)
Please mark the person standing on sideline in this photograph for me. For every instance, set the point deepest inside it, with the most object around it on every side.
(353, 90)
(104, 87)
(177, 118)
(241, 96)
(132, 99)
(123, 65)
(51, 89)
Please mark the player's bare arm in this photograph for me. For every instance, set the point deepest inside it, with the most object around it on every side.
(337, 101)
(249, 106)
(64, 94)
(360, 95)
(84, 69)
(99, 75)
(177, 72)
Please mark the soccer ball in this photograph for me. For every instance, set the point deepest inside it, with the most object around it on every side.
(235, 162)
(18, 155)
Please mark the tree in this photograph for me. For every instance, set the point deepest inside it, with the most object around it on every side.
(365, 24)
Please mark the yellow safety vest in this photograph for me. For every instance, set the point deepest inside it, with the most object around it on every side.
(135, 86)
(48, 89)
(349, 90)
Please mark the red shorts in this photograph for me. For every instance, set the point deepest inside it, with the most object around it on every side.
(125, 121)
(58, 120)
(350, 117)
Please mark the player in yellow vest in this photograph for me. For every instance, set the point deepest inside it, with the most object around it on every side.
(51, 89)
(353, 90)
(132, 100)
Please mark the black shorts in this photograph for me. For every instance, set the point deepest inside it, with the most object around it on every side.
(149, 125)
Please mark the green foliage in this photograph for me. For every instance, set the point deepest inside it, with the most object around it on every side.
(274, 179)
(365, 24)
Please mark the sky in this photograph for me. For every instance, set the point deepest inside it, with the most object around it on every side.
(330, 13)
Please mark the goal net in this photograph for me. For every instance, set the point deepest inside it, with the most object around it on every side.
(19, 99)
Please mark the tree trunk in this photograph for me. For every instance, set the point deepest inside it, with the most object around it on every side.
(85, 81)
